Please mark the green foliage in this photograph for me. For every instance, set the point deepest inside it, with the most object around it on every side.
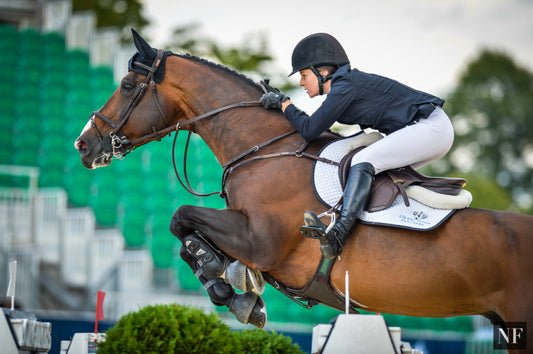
(182, 329)
(123, 14)
(491, 112)
(169, 329)
(252, 56)
(487, 193)
(262, 342)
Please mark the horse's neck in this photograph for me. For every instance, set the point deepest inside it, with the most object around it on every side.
(231, 132)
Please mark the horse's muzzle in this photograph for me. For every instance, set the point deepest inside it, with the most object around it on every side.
(91, 158)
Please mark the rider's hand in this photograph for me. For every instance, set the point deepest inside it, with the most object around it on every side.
(273, 100)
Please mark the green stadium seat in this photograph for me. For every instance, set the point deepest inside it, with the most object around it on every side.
(133, 230)
(54, 44)
(163, 249)
(186, 278)
(25, 157)
(77, 60)
(30, 42)
(50, 177)
(7, 89)
(8, 37)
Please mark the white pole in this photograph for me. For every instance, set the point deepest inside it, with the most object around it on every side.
(347, 293)
(12, 282)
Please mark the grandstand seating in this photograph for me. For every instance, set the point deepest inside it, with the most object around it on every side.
(47, 93)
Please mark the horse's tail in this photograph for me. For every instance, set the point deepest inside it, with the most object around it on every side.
(495, 319)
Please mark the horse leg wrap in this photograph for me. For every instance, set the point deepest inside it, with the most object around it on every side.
(208, 259)
(249, 308)
(220, 293)
(244, 278)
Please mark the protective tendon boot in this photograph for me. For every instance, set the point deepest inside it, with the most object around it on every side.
(354, 201)
(212, 262)
(247, 307)
(219, 292)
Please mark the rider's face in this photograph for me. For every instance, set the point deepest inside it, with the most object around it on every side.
(309, 82)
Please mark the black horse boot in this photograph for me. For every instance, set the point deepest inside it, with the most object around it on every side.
(247, 307)
(212, 262)
(354, 201)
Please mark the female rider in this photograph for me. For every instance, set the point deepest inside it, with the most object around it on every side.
(417, 130)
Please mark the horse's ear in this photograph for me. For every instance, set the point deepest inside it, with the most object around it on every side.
(142, 46)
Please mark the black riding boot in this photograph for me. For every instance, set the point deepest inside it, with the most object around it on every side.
(354, 200)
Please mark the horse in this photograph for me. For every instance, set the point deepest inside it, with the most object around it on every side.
(477, 262)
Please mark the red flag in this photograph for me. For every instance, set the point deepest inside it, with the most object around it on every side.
(99, 309)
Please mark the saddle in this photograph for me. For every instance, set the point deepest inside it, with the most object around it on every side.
(389, 184)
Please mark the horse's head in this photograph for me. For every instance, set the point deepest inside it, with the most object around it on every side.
(127, 120)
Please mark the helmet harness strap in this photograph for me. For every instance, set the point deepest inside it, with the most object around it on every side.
(321, 79)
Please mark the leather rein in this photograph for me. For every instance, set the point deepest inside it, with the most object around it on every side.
(116, 144)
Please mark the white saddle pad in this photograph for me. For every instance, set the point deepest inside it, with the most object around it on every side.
(329, 191)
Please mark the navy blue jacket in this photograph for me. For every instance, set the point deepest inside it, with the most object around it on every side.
(372, 101)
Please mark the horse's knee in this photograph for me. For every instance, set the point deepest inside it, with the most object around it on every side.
(177, 227)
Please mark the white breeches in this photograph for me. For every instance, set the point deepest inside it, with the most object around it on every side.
(415, 145)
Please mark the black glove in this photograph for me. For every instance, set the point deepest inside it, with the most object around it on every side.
(273, 100)
(266, 85)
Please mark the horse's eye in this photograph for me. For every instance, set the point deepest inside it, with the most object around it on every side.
(126, 86)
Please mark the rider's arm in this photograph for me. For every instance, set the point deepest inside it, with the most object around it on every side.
(333, 107)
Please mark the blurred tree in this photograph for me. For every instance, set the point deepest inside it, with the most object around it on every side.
(487, 193)
(252, 57)
(123, 14)
(492, 115)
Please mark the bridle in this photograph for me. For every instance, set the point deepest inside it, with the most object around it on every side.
(119, 145)
(116, 144)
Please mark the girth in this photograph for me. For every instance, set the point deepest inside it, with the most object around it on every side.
(318, 289)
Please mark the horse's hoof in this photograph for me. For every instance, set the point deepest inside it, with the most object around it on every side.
(249, 308)
(244, 278)
(208, 259)
(258, 317)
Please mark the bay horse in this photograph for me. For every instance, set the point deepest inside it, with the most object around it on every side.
(477, 262)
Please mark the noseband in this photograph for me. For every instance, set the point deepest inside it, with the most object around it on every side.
(115, 143)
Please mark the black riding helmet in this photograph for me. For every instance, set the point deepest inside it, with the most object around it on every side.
(317, 50)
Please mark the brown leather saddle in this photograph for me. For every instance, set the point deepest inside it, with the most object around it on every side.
(388, 184)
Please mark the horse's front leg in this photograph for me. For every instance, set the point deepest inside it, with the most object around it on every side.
(230, 231)
(190, 224)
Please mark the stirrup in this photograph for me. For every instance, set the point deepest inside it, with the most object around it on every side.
(244, 278)
(314, 228)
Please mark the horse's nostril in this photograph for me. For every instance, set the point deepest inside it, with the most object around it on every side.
(80, 145)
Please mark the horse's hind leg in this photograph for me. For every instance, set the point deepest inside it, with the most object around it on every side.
(519, 310)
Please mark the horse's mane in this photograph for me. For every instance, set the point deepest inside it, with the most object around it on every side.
(225, 69)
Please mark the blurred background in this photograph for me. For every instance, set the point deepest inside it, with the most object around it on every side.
(75, 231)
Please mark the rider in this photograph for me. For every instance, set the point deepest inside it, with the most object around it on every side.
(417, 129)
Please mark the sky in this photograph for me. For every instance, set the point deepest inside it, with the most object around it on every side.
(422, 43)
